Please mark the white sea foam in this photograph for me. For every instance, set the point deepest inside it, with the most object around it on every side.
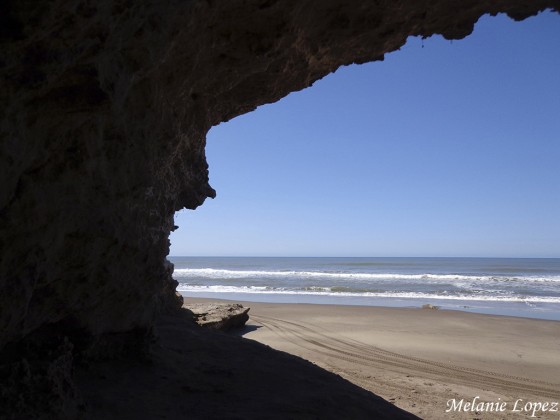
(426, 277)
(325, 291)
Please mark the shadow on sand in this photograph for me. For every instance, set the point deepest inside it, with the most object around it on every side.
(195, 373)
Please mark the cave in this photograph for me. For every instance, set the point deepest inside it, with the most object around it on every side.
(105, 111)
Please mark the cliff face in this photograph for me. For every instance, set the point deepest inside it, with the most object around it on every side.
(105, 107)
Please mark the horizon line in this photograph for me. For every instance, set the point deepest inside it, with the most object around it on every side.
(357, 256)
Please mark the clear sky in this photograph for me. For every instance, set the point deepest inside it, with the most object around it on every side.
(450, 149)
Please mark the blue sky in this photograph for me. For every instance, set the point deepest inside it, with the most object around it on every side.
(450, 149)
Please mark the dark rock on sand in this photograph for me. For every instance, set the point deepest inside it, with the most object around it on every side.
(219, 316)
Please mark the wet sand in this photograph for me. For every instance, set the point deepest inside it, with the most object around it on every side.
(423, 360)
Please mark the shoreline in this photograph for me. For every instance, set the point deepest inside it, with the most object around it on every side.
(493, 308)
(420, 359)
(512, 286)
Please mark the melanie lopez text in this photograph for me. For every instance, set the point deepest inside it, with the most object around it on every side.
(533, 408)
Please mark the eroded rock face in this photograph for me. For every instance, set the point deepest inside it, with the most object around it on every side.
(105, 107)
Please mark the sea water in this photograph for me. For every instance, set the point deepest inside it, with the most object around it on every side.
(505, 286)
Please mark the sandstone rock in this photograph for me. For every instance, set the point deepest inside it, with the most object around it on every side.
(219, 316)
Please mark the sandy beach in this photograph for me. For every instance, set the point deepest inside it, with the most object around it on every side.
(423, 360)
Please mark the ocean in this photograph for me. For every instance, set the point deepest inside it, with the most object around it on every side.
(528, 287)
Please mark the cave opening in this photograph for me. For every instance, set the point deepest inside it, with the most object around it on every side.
(269, 169)
(443, 150)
